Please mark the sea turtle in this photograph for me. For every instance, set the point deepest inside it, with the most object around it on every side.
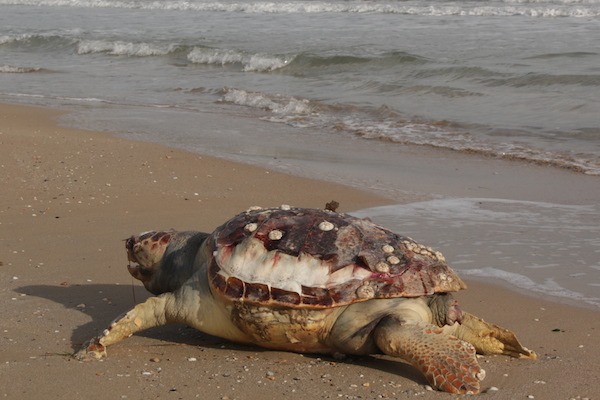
(308, 280)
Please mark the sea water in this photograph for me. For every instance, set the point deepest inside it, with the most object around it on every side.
(264, 81)
(509, 78)
(542, 249)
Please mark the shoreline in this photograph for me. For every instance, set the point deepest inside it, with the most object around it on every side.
(70, 198)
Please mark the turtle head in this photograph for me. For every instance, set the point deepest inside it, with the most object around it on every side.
(146, 252)
(163, 260)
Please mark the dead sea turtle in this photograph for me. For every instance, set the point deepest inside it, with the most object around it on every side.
(317, 281)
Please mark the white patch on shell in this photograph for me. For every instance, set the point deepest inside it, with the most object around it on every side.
(254, 208)
(326, 226)
(275, 234)
(393, 260)
(251, 262)
(382, 267)
(251, 227)
(387, 248)
(285, 207)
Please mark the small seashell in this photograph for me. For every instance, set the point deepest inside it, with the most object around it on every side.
(387, 248)
(251, 227)
(275, 234)
(326, 226)
(382, 267)
(481, 374)
(393, 260)
(285, 207)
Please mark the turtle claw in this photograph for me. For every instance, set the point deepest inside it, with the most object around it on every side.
(489, 338)
(92, 350)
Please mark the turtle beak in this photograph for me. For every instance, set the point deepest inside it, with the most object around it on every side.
(136, 270)
(129, 243)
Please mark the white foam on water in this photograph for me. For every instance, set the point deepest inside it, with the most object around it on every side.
(275, 104)
(552, 250)
(540, 8)
(11, 69)
(249, 62)
(122, 48)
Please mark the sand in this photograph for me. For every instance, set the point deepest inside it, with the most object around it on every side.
(68, 199)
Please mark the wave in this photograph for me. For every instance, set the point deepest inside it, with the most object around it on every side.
(386, 125)
(123, 48)
(250, 62)
(198, 54)
(300, 63)
(533, 79)
(530, 8)
(11, 69)
(36, 41)
(279, 105)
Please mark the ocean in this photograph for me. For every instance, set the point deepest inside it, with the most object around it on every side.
(269, 82)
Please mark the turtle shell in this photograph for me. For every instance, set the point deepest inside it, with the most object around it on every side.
(299, 257)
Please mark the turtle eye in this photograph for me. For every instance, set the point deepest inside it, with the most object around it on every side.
(129, 243)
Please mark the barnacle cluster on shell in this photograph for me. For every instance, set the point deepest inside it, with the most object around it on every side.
(393, 260)
(275, 234)
(382, 267)
(365, 291)
(251, 227)
(423, 250)
(387, 248)
(326, 226)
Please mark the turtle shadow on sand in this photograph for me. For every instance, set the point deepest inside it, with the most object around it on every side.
(102, 302)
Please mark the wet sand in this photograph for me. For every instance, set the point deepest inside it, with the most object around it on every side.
(70, 197)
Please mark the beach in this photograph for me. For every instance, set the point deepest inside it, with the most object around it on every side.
(70, 197)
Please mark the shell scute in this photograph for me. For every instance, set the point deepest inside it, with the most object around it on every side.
(303, 265)
(257, 292)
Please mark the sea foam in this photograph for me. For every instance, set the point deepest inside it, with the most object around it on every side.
(532, 8)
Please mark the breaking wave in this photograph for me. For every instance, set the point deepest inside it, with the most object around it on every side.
(123, 48)
(530, 8)
(11, 69)
(387, 125)
(249, 62)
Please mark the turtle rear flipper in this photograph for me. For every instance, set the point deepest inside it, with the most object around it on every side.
(448, 363)
(489, 338)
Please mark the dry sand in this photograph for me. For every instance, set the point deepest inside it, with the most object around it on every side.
(69, 198)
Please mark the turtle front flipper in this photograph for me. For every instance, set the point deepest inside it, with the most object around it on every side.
(146, 315)
(489, 338)
(448, 363)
